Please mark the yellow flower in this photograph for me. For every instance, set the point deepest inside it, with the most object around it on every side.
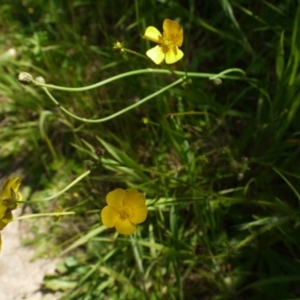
(125, 209)
(5, 219)
(9, 195)
(169, 42)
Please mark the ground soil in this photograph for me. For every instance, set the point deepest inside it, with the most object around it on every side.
(20, 277)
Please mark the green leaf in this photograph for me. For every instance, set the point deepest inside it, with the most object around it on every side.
(280, 57)
(55, 284)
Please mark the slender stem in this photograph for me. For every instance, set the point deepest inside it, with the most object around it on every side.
(186, 113)
(55, 214)
(226, 72)
(139, 263)
(143, 71)
(135, 53)
(122, 111)
(92, 211)
(68, 187)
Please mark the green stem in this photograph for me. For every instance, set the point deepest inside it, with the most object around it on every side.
(220, 75)
(67, 187)
(149, 71)
(55, 214)
(92, 211)
(135, 53)
(119, 112)
(139, 263)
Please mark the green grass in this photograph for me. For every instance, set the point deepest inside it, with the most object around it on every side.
(218, 163)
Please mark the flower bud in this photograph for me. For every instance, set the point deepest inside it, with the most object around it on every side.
(40, 79)
(25, 78)
(99, 152)
(217, 82)
(11, 53)
(118, 46)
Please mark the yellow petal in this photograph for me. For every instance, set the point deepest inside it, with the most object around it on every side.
(139, 214)
(19, 196)
(152, 34)
(11, 203)
(115, 197)
(134, 198)
(10, 188)
(178, 40)
(9, 194)
(173, 32)
(2, 225)
(109, 216)
(125, 227)
(3, 209)
(156, 54)
(172, 56)
(8, 217)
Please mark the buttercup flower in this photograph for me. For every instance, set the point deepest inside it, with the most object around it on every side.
(6, 218)
(168, 42)
(8, 197)
(125, 209)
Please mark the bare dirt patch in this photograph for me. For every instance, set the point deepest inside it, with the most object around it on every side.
(20, 277)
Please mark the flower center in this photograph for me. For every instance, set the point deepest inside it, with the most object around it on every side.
(167, 44)
(124, 213)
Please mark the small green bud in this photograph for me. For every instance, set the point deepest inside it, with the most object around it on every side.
(11, 53)
(145, 120)
(99, 152)
(25, 78)
(118, 46)
(186, 83)
(40, 79)
(217, 82)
